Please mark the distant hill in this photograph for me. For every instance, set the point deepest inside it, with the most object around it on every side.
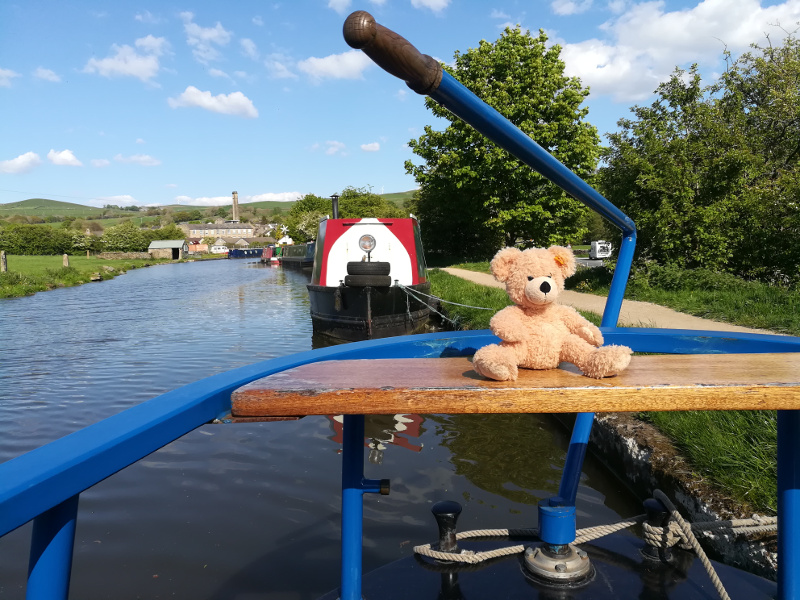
(42, 207)
(399, 198)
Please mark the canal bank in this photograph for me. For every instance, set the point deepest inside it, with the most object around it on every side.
(645, 459)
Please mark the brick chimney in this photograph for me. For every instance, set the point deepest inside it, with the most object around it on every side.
(235, 208)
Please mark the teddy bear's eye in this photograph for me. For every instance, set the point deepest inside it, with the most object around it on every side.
(530, 278)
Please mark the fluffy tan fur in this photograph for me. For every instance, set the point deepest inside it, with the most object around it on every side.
(536, 332)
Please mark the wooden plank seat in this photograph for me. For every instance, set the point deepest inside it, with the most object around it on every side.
(451, 386)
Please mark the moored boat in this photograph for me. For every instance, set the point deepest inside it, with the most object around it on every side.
(297, 256)
(369, 279)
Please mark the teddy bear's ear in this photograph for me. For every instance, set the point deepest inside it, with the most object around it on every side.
(502, 261)
(564, 258)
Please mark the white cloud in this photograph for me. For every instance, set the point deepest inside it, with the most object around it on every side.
(63, 158)
(144, 160)
(120, 200)
(499, 14)
(334, 147)
(235, 103)
(203, 200)
(100, 162)
(274, 197)
(434, 5)
(140, 141)
(6, 75)
(127, 62)
(277, 67)
(219, 73)
(646, 43)
(46, 75)
(258, 21)
(401, 95)
(22, 164)
(203, 40)
(570, 7)
(171, 185)
(349, 65)
(371, 147)
(152, 45)
(340, 6)
(249, 48)
(378, 2)
(149, 18)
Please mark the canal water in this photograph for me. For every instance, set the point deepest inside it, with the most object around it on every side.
(247, 510)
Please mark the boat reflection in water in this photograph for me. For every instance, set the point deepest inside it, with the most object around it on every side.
(383, 430)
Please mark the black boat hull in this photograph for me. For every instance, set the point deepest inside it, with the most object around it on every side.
(366, 313)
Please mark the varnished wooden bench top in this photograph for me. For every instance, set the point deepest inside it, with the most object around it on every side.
(451, 386)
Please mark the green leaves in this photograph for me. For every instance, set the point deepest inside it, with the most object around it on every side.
(474, 197)
(710, 174)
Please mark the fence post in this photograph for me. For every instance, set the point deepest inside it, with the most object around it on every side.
(3, 262)
(65, 260)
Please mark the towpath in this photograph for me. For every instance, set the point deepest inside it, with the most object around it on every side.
(633, 313)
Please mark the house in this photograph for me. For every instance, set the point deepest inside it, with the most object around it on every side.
(198, 248)
(173, 249)
(220, 246)
(201, 230)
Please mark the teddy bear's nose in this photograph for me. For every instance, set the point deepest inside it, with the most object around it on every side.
(545, 287)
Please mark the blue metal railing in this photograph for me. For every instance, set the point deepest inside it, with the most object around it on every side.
(45, 484)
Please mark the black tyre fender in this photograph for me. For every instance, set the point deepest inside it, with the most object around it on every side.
(368, 268)
(367, 280)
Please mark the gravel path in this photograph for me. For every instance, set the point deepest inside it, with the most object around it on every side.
(633, 313)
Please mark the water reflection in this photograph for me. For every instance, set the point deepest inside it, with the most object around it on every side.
(383, 430)
(518, 457)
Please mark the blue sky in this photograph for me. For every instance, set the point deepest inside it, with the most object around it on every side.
(154, 102)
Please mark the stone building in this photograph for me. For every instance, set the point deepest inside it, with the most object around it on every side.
(173, 249)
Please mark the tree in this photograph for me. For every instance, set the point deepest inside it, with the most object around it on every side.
(475, 197)
(354, 203)
(711, 174)
(125, 237)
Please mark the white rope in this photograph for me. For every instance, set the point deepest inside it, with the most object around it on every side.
(410, 291)
(676, 531)
(688, 537)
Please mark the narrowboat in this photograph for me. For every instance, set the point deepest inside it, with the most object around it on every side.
(369, 279)
(297, 256)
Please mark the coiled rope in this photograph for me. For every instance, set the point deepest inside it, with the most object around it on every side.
(677, 531)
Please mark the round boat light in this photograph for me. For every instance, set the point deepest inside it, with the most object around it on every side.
(366, 243)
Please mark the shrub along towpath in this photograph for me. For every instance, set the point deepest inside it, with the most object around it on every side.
(647, 459)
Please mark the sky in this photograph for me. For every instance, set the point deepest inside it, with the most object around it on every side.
(153, 103)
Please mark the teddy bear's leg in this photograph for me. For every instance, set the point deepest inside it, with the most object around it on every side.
(595, 362)
(607, 361)
(496, 362)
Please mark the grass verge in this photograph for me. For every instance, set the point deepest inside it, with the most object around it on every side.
(30, 274)
(735, 450)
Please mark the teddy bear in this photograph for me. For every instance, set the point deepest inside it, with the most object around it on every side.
(536, 332)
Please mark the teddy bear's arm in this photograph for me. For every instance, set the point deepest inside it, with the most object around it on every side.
(508, 324)
(580, 326)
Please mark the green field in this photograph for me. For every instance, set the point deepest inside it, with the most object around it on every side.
(30, 274)
(399, 198)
